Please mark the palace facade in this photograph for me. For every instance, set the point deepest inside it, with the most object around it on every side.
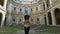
(41, 12)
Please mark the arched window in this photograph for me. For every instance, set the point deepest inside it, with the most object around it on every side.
(14, 20)
(14, 8)
(26, 10)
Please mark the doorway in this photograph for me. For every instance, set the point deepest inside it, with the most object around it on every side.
(49, 18)
(0, 18)
(57, 16)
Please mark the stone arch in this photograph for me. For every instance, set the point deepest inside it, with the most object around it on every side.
(57, 16)
(49, 18)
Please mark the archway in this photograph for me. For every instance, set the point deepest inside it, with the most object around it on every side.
(49, 18)
(0, 18)
(57, 16)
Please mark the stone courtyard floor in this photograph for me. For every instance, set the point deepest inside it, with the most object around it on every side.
(42, 30)
(34, 29)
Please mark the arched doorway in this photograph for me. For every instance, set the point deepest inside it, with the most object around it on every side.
(0, 18)
(49, 18)
(57, 16)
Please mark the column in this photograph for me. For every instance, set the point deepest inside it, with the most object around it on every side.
(47, 19)
(53, 18)
(5, 3)
(43, 20)
(40, 20)
(17, 21)
(45, 5)
(34, 20)
(3, 18)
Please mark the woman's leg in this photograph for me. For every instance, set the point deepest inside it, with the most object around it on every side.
(25, 29)
(28, 28)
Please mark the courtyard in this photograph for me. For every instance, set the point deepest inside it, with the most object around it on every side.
(35, 29)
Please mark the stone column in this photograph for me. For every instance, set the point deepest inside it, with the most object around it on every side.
(17, 20)
(45, 5)
(40, 19)
(5, 3)
(53, 18)
(9, 17)
(34, 20)
(47, 19)
(2, 22)
(43, 20)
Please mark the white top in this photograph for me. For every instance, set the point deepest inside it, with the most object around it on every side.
(27, 25)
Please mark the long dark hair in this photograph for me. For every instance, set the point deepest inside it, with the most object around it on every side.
(26, 17)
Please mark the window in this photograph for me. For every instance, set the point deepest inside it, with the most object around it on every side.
(20, 9)
(37, 19)
(32, 20)
(43, 6)
(20, 20)
(31, 9)
(26, 10)
(14, 8)
(2, 2)
(13, 19)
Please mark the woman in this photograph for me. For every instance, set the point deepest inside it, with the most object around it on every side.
(26, 26)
